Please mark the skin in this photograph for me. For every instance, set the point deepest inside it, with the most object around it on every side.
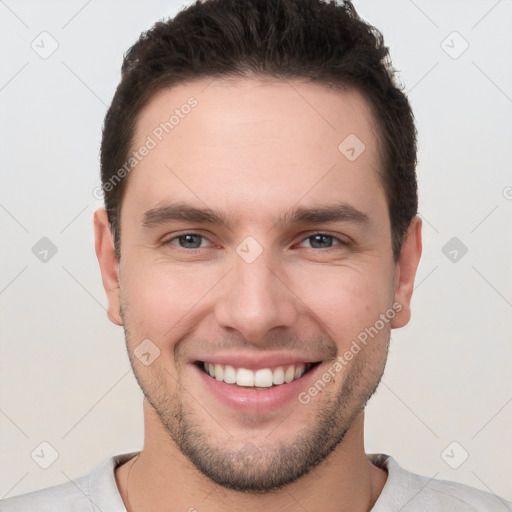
(255, 149)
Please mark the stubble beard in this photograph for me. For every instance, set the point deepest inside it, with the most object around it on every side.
(271, 466)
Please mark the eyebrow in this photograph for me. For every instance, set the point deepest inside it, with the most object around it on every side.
(340, 212)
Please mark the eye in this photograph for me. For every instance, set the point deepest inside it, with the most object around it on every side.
(324, 241)
(185, 241)
(191, 242)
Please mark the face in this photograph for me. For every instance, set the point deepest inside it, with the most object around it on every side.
(256, 246)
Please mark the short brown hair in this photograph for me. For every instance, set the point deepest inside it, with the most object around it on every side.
(313, 40)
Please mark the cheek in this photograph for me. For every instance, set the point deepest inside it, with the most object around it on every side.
(161, 297)
(346, 299)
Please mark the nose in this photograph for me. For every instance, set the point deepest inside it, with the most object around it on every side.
(256, 298)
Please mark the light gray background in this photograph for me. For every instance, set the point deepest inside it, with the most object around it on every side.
(64, 374)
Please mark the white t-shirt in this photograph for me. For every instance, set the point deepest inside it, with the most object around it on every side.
(404, 491)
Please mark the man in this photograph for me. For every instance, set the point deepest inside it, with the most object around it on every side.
(258, 165)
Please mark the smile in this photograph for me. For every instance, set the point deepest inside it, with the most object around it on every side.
(261, 378)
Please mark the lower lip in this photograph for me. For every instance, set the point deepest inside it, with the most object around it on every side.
(258, 400)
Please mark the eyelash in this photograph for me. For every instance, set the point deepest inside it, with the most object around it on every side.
(341, 243)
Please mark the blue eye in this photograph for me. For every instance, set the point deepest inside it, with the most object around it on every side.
(191, 242)
(324, 241)
(188, 240)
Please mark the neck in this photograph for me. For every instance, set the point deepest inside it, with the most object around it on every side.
(162, 475)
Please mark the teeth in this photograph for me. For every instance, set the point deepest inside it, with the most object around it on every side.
(289, 374)
(263, 378)
(278, 376)
(244, 377)
(299, 370)
(219, 372)
(229, 374)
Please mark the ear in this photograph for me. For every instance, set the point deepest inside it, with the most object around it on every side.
(405, 272)
(109, 264)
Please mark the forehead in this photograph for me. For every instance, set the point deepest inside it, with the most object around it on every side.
(252, 143)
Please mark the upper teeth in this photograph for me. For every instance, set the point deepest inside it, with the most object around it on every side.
(262, 378)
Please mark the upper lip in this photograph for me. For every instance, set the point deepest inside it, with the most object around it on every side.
(255, 362)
